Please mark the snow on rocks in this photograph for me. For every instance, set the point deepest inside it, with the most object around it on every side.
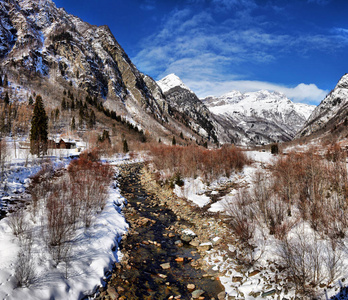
(188, 235)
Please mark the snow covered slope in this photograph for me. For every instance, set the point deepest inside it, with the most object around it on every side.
(331, 112)
(263, 116)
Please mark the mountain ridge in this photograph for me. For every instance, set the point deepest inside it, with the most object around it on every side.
(330, 114)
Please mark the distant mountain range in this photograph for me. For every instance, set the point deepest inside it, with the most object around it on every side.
(254, 118)
(263, 117)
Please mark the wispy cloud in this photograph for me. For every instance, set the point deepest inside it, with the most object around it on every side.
(148, 5)
(233, 4)
(320, 2)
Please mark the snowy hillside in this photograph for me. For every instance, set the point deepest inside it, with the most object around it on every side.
(331, 111)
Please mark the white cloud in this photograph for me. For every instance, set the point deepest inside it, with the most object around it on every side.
(305, 93)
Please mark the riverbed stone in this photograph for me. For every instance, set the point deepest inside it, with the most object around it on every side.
(237, 279)
(179, 243)
(205, 247)
(165, 266)
(191, 286)
(195, 243)
(253, 273)
(112, 293)
(197, 293)
(179, 259)
(221, 296)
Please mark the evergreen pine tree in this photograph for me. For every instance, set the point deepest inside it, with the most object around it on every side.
(57, 113)
(5, 82)
(63, 104)
(125, 146)
(173, 141)
(105, 137)
(30, 101)
(274, 148)
(7, 99)
(39, 127)
(91, 121)
(73, 125)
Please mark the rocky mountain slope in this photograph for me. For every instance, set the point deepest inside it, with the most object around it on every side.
(262, 117)
(42, 46)
(188, 108)
(330, 117)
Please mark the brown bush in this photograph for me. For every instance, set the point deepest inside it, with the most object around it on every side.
(193, 161)
(317, 186)
(89, 180)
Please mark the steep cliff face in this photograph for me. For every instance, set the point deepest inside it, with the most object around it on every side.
(330, 113)
(185, 105)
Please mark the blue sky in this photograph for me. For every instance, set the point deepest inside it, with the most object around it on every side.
(298, 47)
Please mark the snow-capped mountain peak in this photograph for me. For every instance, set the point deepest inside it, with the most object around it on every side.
(170, 82)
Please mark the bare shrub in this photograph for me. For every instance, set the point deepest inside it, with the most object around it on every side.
(302, 256)
(4, 152)
(261, 193)
(333, 260)
(24, 270)
(17, 222)
(240, 216)
(317, 186)
(60, 231)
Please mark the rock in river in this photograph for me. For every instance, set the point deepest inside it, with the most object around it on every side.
(187, 235)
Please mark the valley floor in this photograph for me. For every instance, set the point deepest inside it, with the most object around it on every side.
(215, 252)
